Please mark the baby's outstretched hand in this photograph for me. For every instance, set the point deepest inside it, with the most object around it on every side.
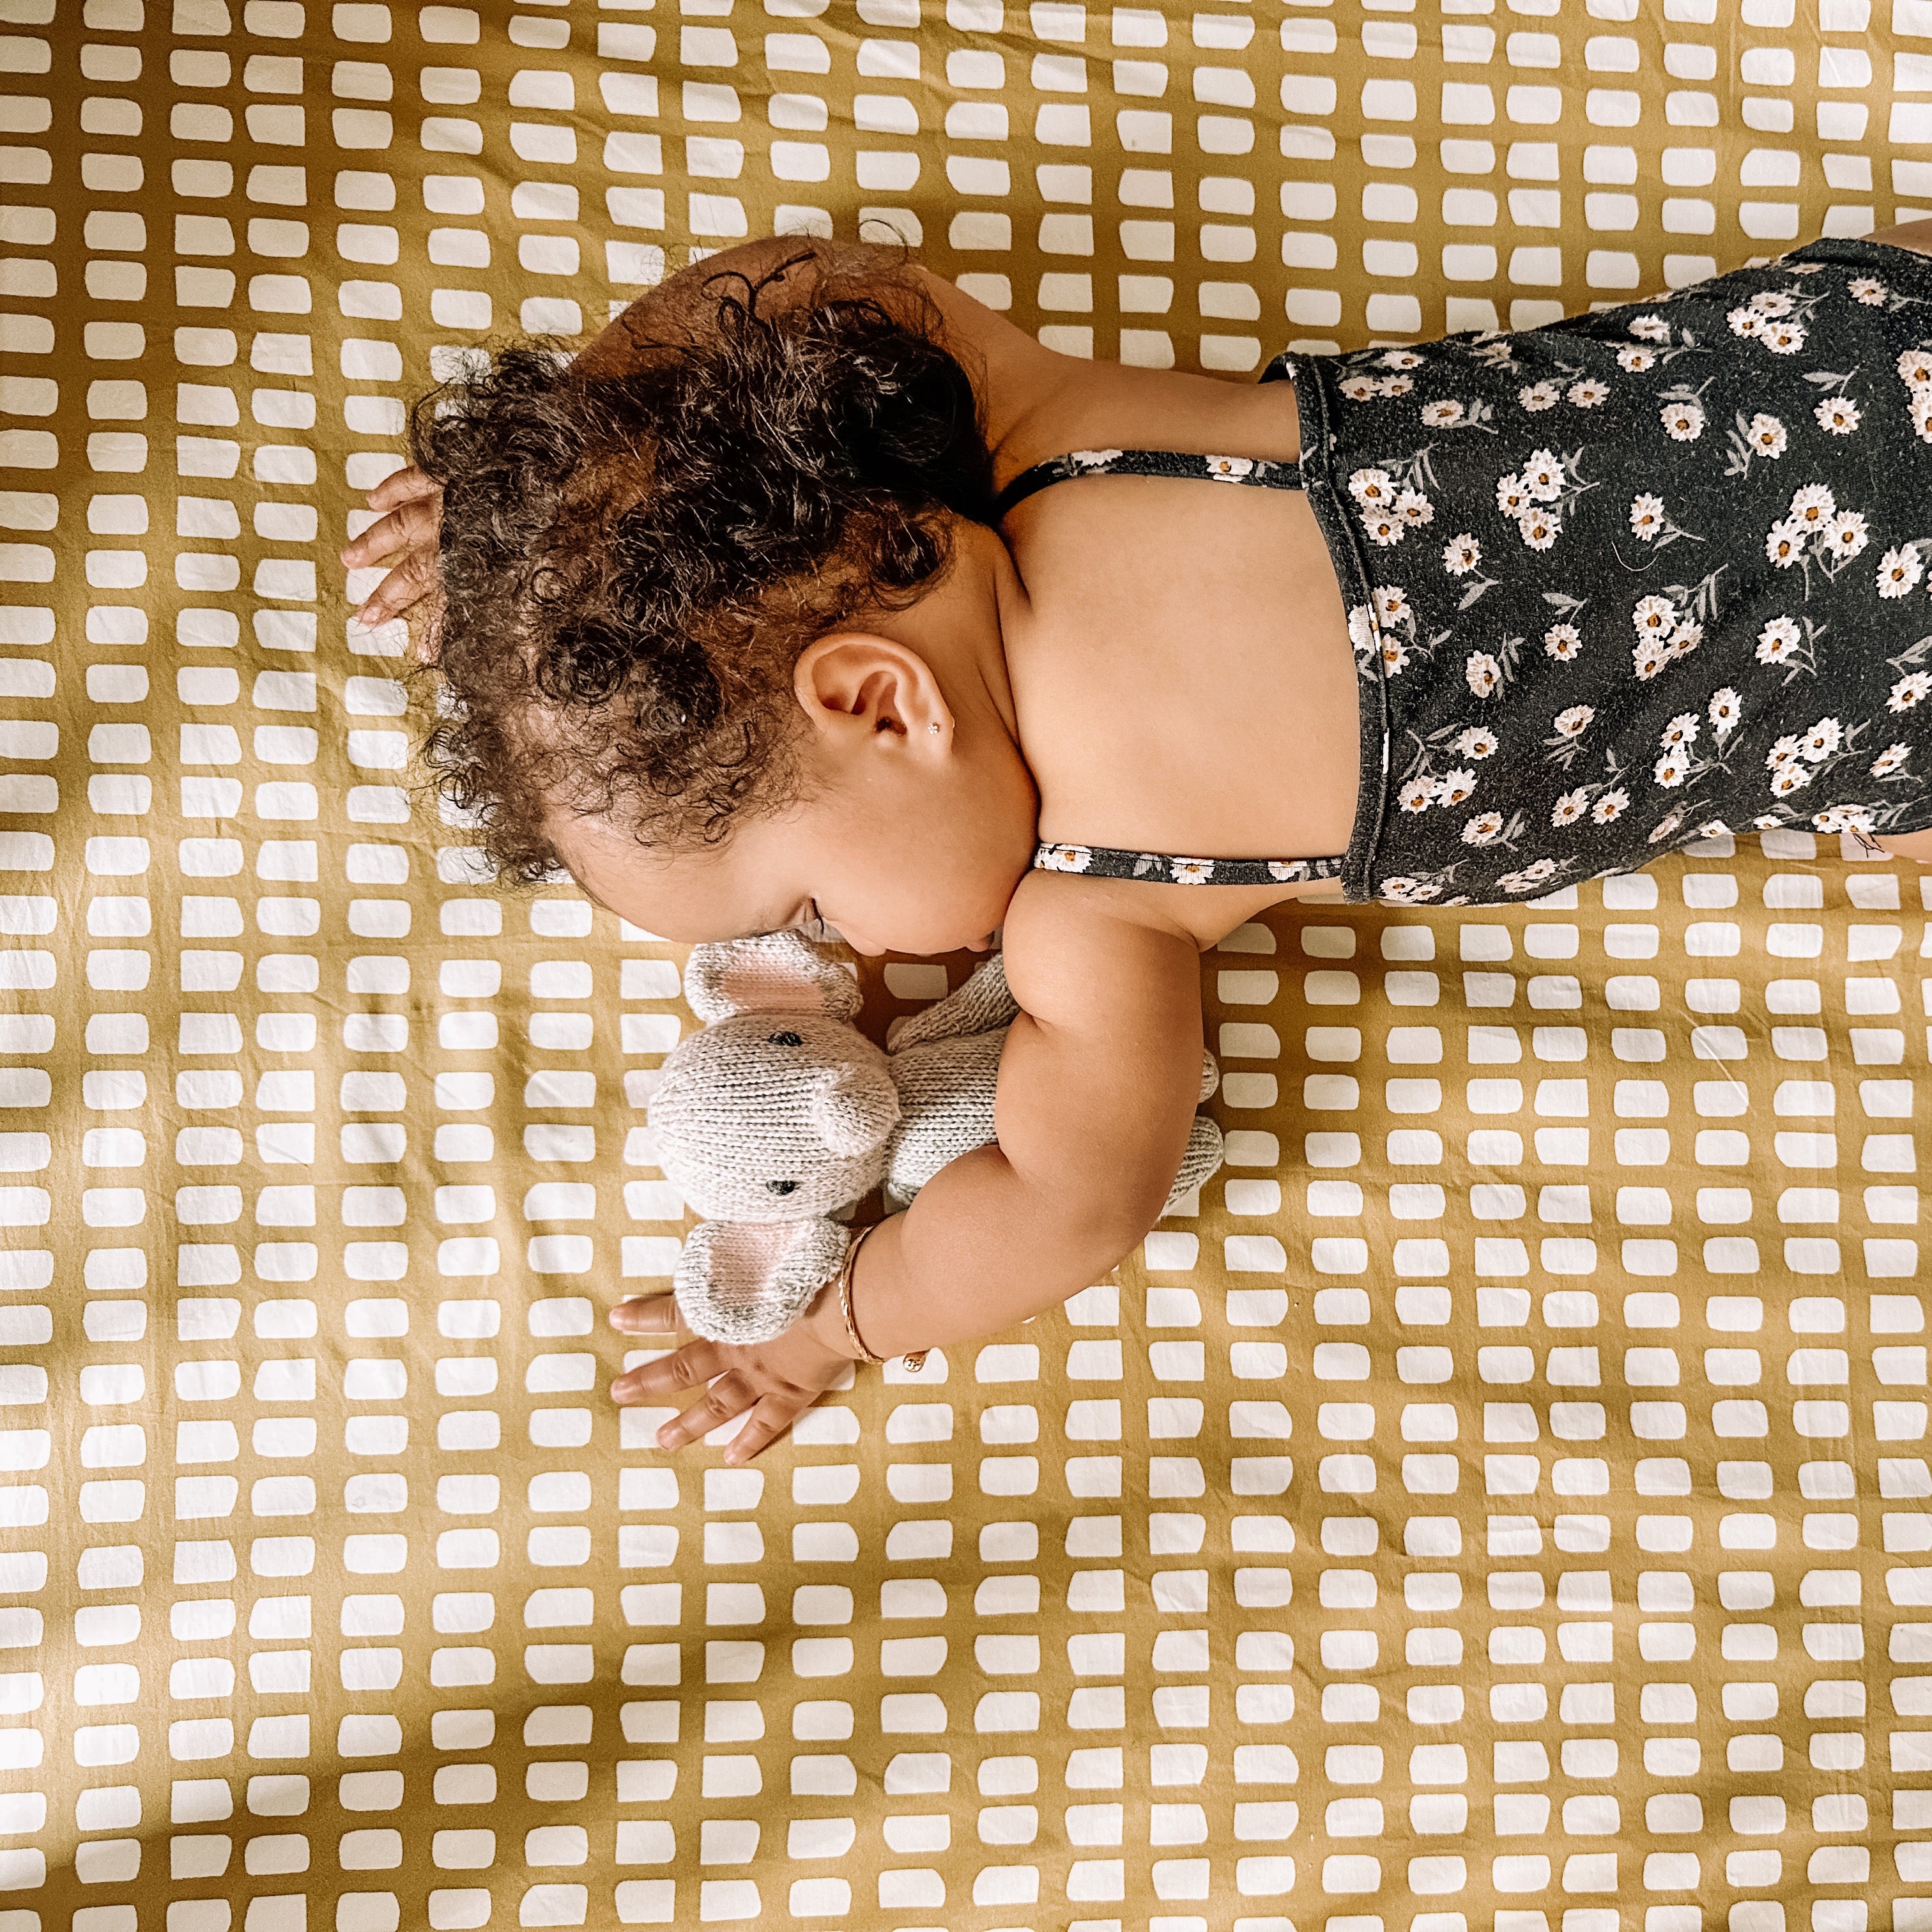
(411, 526)
(776, 1381)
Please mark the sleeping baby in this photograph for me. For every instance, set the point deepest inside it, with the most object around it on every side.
(814, 594)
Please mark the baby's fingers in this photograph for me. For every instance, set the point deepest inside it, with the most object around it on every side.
(763, 1427)
(414, 525)
(686, 1368)
(646, 1315)
(727, 1397)
(407, 585)
(402, 486)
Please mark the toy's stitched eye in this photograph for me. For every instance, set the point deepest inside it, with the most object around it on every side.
(785, 1038)
(781, 1186)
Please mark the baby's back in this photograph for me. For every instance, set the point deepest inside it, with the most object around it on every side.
(1182, 670)
(1576, 596)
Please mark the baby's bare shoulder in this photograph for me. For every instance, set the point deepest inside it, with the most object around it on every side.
(1087, 952)
(1069, 909)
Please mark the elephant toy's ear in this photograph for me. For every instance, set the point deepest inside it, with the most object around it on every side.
(741, 1282)
(769, 972)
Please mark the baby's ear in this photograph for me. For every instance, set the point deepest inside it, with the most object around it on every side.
(742, 1281)
(769, 973)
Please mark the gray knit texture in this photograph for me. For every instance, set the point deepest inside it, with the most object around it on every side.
(780, 1113)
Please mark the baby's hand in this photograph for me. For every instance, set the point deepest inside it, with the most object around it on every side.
(777, 1381)
(414, 519)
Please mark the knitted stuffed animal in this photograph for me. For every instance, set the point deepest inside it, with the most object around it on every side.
(779, 1111)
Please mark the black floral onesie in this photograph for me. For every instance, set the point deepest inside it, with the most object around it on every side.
(1618, 583)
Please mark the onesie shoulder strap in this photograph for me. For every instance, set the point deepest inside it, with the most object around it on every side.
(1263, 471)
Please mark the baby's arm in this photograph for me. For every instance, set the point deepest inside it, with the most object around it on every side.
(1099, 1080)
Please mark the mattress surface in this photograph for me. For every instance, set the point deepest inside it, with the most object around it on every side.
(1501, 1504)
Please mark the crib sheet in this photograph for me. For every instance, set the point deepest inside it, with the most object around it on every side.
(1501, 1504)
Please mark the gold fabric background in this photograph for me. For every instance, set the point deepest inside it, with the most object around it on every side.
(1502, 1504)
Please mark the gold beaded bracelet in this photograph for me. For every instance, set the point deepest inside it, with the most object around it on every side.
(914, 1361)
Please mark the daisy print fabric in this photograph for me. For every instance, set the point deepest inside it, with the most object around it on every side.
(1635, 578)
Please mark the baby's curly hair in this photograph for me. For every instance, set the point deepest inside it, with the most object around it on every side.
(631, 558)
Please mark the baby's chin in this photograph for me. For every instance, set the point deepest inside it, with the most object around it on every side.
(967, 940)
(936, 945)
(981, 945)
